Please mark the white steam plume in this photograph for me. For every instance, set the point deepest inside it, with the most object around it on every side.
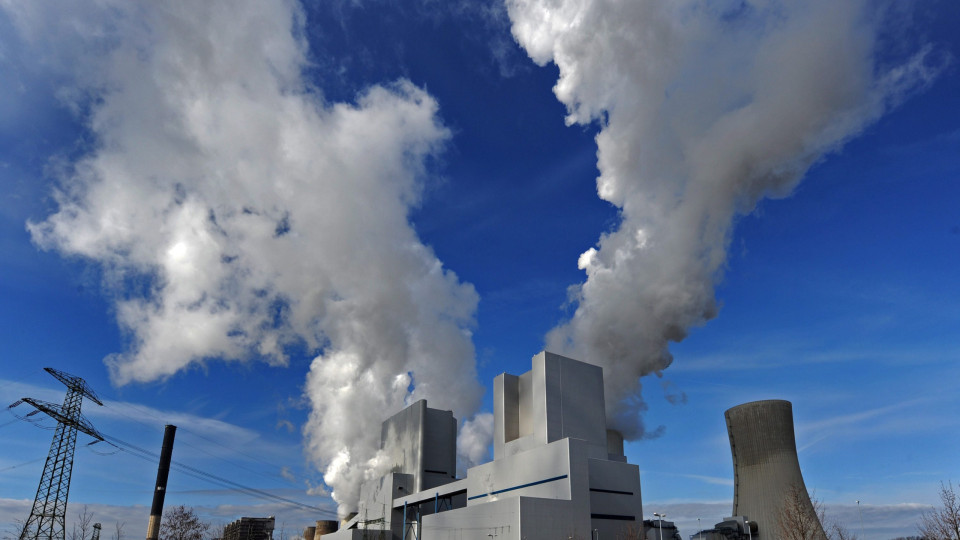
(705, 107)
(473, 442)
(253, 215)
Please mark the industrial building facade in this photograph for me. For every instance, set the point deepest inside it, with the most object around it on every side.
(250, 528)
(557, 471)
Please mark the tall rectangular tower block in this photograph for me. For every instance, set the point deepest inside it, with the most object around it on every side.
(423, 443)
(558, 398)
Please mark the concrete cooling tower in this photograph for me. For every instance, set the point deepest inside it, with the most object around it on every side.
(766, 469)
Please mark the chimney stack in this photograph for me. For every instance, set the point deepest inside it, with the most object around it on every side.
(156, 510)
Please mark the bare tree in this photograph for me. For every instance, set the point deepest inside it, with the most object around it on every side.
(14, 531)
(833, 528)
(118, 531)
(81, 525)
(216, 531)
(182, 523)
(944, 522)
(836, 531)
(799, 516)
(804, 517)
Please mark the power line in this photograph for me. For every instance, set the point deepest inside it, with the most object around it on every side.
(191, 432)
(32, 374)
(209, 477)
(11, 467)
(201, 475)
(194, 472)
(234, 463)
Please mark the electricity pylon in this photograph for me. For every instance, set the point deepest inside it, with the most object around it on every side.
(47, 519)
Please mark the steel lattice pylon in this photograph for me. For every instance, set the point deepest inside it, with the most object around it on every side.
(48, 517)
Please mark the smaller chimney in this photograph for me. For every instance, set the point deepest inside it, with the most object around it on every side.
(156, 510)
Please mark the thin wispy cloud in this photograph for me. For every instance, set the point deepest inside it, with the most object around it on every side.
(787, 350)
(896, 419)
(130, 412)
(709, 479)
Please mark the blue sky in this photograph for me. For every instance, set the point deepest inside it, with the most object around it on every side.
(838, 294)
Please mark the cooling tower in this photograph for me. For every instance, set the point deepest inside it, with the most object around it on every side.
(766, 470)
(325, 526)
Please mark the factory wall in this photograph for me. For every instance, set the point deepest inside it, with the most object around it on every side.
(544, 473)
(422, 442)
(249, 528)
(439, 448)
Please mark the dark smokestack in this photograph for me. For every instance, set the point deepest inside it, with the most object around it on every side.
(156, 511)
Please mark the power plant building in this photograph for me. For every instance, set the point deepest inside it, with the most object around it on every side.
(557, 471)
(731, 528)
(424, 444)
(250, 528)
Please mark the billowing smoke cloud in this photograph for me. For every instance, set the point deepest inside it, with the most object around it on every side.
(473, 442)
(705, 107)
(234, 212)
